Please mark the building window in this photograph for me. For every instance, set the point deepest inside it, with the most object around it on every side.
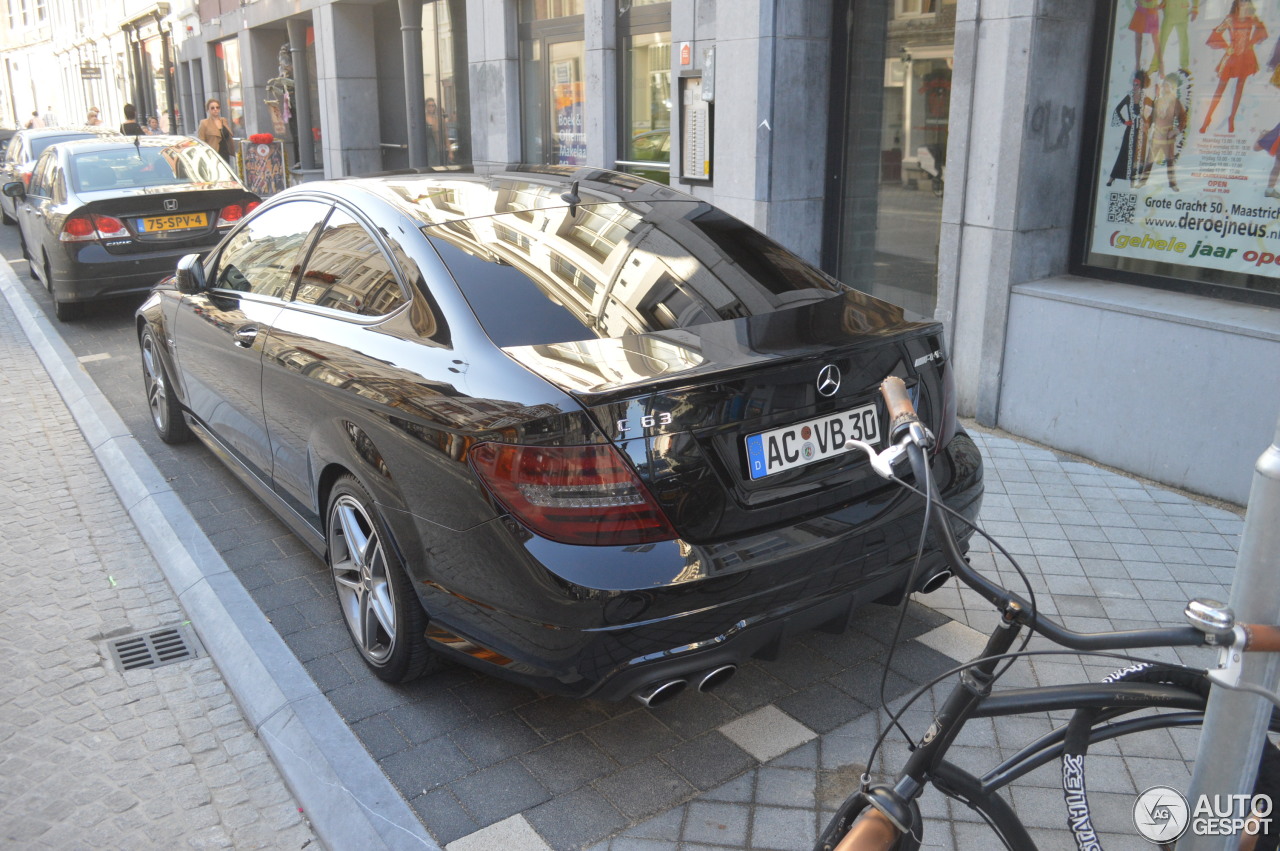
(645, 82)
(444, 83)
(552, 82)
(227, 55)
(914, 8)
(885, 211)
(1184, 191)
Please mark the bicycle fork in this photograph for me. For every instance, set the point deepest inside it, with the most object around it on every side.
(974, 686)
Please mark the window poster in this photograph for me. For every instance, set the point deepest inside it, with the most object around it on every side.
(1189, 148)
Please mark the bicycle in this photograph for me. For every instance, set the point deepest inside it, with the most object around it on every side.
(887, 817)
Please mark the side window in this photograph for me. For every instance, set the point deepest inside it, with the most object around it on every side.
(42, 176)
(263, 256)
(348, 271)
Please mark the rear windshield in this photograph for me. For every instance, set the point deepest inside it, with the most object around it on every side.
(619, 269)
(130, 166)
(39, 144)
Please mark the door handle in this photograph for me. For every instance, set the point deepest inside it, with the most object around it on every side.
(245, 336)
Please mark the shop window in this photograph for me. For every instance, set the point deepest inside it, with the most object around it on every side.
(552, 82)
(444, 83)
(227, 54)
(1184, 186)
(893, 72)
(645, 83)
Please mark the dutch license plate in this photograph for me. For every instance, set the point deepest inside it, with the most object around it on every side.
(177, 221)
(804, 443)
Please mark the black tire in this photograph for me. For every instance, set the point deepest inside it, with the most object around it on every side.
(383, 615)
(1087, 728)
(937, 186)
(166, 413)
(66, 311)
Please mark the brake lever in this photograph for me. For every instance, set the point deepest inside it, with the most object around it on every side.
(881, 462)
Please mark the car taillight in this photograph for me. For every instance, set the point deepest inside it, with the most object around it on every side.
(109, 226)
(230, 214)
(90, 227)
(78, 229)
(572, 494)
(253, 205)
(26, 179)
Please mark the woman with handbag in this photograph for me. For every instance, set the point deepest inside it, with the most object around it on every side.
(214, 130)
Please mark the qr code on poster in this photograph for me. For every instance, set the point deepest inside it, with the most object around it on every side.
(1121, 207)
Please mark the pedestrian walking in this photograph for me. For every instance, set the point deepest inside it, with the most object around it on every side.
(214, 130)
(131, 127)
(34, 121)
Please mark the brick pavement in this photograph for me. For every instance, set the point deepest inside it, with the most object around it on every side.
(91, 756)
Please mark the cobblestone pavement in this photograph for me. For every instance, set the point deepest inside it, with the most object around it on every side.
(92, 757)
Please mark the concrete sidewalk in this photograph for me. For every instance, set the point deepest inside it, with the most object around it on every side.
(85, 508)
(92, 756)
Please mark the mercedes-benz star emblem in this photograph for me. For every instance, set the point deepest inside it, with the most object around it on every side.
(829, 380)
(171, 204)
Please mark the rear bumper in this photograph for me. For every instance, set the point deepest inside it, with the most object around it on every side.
(90, 272)
(604, 622)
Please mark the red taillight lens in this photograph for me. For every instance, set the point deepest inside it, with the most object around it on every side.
(230, 214)
(572, 494)
(78, 229)
(110, 226)
(253, 205)
(26, 178)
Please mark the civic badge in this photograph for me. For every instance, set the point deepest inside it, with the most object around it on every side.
(171, 204)
(829, 380)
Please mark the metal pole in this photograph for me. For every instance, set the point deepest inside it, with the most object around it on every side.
(302, 92)
(1236, 722)
(414, 105)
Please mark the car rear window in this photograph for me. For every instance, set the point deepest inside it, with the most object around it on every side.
(129, 166)
(39, 144)
(618, 269)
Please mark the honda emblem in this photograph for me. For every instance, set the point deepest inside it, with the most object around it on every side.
(171, 204)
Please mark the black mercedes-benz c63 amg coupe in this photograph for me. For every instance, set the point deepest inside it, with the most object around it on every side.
(569, 426)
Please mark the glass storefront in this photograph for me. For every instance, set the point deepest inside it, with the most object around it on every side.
(444, 82)
(645, 55)
(552, 82)
(227, 54)
(893, 70)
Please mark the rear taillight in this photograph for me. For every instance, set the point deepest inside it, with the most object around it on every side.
(573, 494)
(78, 229)
(26, 179)
(230, 214)
(90, 227)
(251, 206)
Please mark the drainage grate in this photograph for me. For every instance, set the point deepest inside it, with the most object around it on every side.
(155, 648)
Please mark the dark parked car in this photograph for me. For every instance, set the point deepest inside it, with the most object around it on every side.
(109, 217)
(23, 147)
(571, 427)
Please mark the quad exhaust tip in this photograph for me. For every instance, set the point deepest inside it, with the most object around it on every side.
(716, 677)
(660, 693)
(933, 583)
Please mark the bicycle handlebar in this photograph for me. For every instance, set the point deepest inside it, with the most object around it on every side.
(902, 413)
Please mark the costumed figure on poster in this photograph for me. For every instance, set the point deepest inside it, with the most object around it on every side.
(1177, 14)
(1239, 31)
(1168, 120)
(1145, 21)
(1131, 112)
(1270, 141)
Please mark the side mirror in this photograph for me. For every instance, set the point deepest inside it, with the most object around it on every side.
(189, 277)
(16, 189)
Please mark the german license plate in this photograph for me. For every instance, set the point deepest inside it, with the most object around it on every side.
(177, 221)
(804, 443)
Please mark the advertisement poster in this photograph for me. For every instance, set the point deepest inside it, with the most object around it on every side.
(264, 167)
(1190, 148)
(570, 129)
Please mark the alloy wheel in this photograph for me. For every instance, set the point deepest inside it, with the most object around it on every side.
(153, 377)
(359, 563)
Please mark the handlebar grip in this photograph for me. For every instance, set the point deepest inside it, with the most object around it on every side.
(1261, 639)
(901, 412)
(871, 831)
